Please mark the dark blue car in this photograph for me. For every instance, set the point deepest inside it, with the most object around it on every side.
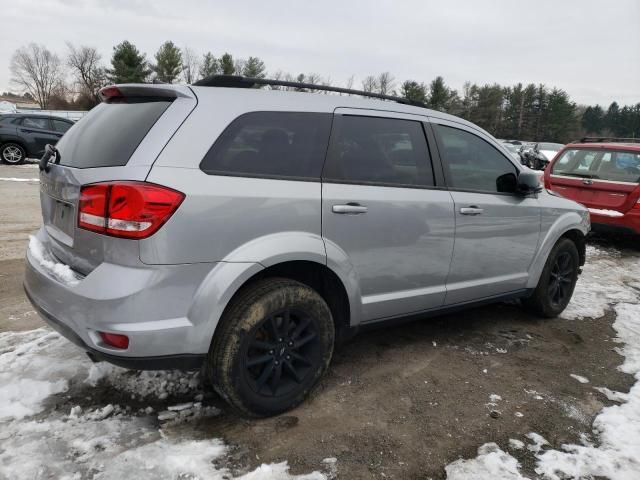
(25, 135)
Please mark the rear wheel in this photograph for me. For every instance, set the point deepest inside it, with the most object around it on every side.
(557, 281)
(273, 344)
(12, 153)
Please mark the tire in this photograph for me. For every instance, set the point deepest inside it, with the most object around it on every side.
(258, 372)
(12, 153)
(557, 281)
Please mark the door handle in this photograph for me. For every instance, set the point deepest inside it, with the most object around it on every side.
(349, 208)
(472, 210)
(587, 181)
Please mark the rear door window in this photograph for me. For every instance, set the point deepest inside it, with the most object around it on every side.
(271, 144)
(381, 151)
(109, 134)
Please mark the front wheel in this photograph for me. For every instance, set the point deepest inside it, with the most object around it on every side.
(557, 281)
(273, 343)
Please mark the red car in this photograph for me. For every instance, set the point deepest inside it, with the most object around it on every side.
(603, 175)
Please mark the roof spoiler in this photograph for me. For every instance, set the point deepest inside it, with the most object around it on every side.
(159, 91)
(238, 81)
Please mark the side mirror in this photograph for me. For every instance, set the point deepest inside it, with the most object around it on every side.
(529, 182)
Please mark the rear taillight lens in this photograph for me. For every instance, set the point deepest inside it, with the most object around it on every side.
(126, 209)
(637, 205)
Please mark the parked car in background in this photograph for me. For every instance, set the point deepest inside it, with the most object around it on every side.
(526, 153)
(543, 153)
(25, 135)
(512, 149)
(248, 230)
(603, 175)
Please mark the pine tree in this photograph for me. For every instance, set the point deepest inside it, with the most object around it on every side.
(128, 65)
(254, 68)
(414, 91)
(209, 66)
(168, 62)
(227, 66)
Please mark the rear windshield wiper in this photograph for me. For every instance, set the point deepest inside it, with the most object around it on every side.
(49, 151)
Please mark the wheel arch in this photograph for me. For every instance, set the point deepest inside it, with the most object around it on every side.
(570, 225)
(317, 276)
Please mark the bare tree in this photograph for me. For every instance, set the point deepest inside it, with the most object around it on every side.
(370, 84)
(89, 74)
(37, 71)
(350, 82)
(385, 83)
(190, 65)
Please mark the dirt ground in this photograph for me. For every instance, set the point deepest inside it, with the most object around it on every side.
(404, 401)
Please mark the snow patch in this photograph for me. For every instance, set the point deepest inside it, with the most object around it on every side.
(579, 378)
(103, 441)
(516, 444)
(491, 463)
(14, 179)
(61, 272)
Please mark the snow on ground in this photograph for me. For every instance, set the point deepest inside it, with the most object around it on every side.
(40, 440)
(579, 378)
(14, 179)
(607, 281)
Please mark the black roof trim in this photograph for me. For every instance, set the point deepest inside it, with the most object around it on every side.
(238, 81)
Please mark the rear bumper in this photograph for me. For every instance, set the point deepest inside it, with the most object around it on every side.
(626, 223)
(149, 304)
(166, 362)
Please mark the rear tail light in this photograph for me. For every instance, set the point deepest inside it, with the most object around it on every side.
(637, 205)
(115, 340)
(126, 209)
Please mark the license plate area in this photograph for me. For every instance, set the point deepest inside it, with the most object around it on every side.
(63, 219)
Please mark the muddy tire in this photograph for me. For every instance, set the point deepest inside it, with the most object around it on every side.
(274, 342)
(557, 281)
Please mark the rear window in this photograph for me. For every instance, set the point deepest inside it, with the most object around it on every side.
(109, 134)
(271, 144)
(599, 164)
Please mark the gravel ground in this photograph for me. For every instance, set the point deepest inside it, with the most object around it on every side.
(402, 402)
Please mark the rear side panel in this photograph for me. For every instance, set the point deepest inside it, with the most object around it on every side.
(83, 250)
(222, 215)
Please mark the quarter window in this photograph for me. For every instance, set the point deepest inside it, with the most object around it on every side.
(380, 151)
(472, 163)
(60, 125)
(276, 144)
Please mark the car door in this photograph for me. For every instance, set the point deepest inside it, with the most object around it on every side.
(497, 230)
(383, 213)
(38, 131)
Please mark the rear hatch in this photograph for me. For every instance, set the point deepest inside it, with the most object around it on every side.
(598, 177)
(117, 140)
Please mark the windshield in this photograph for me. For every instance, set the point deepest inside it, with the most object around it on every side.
(599, 164)
(554, 147)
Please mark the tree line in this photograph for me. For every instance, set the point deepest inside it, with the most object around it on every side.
(529, 112)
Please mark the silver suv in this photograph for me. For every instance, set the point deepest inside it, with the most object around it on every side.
(247, 231)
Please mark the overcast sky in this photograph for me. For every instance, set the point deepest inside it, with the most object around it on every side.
(589, 48)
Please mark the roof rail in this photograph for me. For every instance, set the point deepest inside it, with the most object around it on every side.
(238, 81)
(607, 139)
